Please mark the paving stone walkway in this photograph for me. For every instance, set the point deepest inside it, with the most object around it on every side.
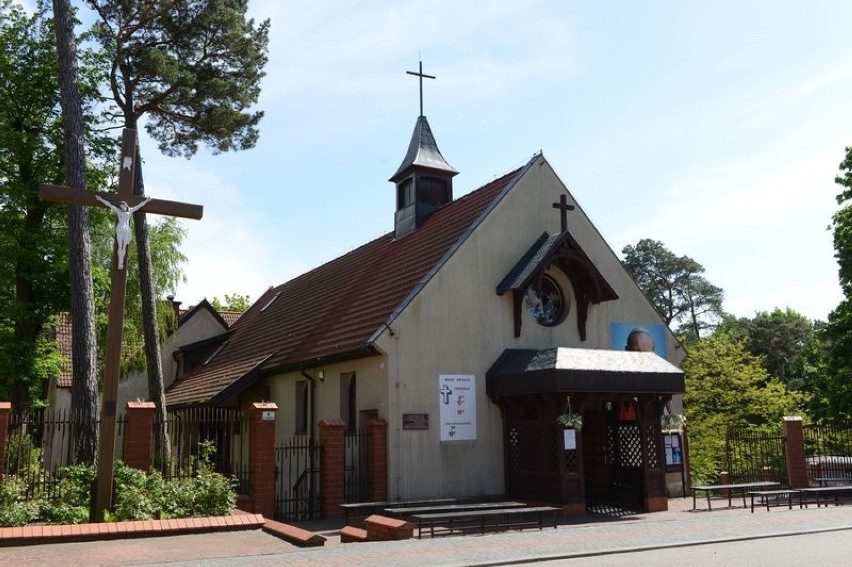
(592, 535)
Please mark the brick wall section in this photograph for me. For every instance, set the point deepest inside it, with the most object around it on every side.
(377, 460)
(262, 458)
(5, 410)
(332, 467)
(794, 439)
(138, 435)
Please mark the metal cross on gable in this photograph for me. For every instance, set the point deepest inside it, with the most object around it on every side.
(422, 76)
(563, 207)
(123, 203)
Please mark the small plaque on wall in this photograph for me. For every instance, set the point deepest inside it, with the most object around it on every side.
(415, 421)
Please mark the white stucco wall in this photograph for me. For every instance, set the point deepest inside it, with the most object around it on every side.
(458, 325)
(202, 325)
(371, 392)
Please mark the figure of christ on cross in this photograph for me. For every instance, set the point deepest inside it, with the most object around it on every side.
(124, 203)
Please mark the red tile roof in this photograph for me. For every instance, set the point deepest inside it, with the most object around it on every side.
(62, 333)
(334, 310)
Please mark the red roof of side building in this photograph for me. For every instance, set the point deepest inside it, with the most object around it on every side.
(62, 333)
(335, 309)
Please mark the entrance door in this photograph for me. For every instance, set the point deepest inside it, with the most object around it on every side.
(612, 457)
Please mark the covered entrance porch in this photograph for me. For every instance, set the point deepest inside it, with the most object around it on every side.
(616, 458)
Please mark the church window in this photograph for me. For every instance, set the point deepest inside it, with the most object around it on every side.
(348, 411)
(545, 302)
(301, 409)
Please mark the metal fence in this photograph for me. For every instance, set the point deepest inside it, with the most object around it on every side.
(297, 480)
(828, 453)
(40, 442)
(355, 465)
(753, 455)
(189, 429)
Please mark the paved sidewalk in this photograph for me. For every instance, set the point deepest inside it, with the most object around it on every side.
(677, 527)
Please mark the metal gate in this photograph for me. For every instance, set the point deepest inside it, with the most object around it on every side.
(754, 455)
(297, 480)
(355, 465)
(828, 452)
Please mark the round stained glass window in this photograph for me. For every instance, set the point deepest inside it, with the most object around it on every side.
(545, 302)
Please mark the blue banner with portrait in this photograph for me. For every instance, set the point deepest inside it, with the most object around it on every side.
(639, 337)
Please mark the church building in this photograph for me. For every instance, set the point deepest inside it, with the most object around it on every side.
(478, 329)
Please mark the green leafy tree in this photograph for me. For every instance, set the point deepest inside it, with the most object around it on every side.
(726, 386)
(835, 387)
(192, 69)
(232, 302)
(33, 234)
(676, 286)
(784, 340)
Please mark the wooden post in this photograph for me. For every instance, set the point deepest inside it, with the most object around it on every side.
(5, 410)
(123, 203)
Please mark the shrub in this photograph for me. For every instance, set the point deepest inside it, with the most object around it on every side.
(15, 509)
(71, 503)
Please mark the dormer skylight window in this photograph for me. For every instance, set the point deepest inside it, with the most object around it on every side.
(215, 352)
(270, 302)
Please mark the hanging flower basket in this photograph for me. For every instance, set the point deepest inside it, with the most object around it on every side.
(570, 420)
(672, 422)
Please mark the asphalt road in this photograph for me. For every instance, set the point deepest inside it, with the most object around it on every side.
(827, 548)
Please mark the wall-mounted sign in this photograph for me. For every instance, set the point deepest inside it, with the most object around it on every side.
(570, 439)
(457, 400)
(674, 449)
(415, 421)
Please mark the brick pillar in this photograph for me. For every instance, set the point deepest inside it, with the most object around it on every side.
(138, 435)
(331, 467)
(794, 445)
(377, 460)
(725, 478)
(5, 410)
(262, 458)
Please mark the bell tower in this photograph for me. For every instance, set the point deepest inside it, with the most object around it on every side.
(424, 180)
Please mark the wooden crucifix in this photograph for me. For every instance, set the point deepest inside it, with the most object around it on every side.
(123, 204)
(563, 207)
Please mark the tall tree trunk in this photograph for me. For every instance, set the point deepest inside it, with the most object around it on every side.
(156, 390)
(84, 392)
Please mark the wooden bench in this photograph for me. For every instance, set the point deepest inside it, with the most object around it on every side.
(481, 519)
(360, 510)
(740, 488)
(765, 497)
(410, 511)
(832, 480)
(819, 491)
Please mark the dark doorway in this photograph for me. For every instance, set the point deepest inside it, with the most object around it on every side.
(612, 455)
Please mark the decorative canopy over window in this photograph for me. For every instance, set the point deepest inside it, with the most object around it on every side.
(563, 252)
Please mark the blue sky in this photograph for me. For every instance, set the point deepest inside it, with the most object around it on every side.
(716, 128)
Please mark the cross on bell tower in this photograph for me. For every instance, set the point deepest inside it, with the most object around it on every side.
(422, 76)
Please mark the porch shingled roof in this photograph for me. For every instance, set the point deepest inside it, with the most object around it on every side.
(521, 371)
